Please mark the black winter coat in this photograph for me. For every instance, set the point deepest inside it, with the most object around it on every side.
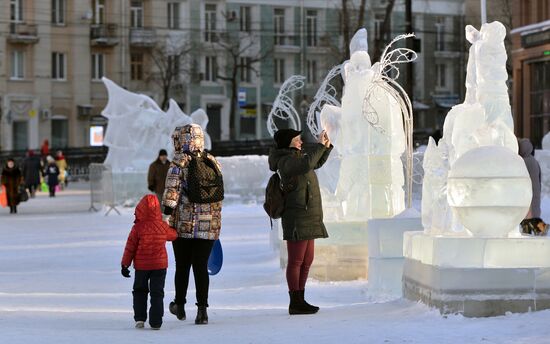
(31, 170)
(51, 174)
(302, 218)
(11, 179)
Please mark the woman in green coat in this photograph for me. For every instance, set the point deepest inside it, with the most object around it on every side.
(302, 218)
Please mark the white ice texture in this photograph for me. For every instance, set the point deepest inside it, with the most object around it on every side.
(364, 176)
(483, 120)
(138, 128)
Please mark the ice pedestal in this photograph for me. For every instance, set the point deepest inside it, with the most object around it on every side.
(385, 249)
(477, 276)
(341, 257)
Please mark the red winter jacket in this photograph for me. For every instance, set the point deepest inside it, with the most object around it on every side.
(146, 244)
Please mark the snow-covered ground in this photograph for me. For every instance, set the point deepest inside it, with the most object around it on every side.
(60, 282)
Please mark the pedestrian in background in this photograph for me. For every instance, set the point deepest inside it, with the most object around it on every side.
(302, 217)
(31, 172)
(12, 179)
(61, 163)
(146, 247)
(532, 224)
(156, 177)
(51, 175)
(44, 151)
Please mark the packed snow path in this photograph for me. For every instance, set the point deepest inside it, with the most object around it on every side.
(61, 283)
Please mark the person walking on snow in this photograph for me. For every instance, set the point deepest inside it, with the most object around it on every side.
(302, 218)
(61, 163)
(198, 223)
(31, 172)
(12, 179)
(51, 175)
(156, 176)
(146, 247)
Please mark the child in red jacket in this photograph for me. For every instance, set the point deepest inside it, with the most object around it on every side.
(146, 246)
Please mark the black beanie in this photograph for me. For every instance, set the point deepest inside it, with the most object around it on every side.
(163, 152)
(283, 137)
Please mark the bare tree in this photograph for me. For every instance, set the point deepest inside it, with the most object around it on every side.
(385, 30)
(170, 59)
(241, 57)
(348, 29)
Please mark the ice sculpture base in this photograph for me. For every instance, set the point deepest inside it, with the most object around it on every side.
(385, 249)
(341, 257)
(477, 277)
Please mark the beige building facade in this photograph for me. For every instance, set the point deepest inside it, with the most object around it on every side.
(53, 56)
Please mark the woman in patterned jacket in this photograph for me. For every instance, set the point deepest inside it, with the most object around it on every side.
(198, 225)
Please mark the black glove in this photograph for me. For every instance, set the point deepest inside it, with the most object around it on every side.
(125, 271)
(151, 188)
(168, 210)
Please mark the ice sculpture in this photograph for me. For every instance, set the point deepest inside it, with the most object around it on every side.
(371, 130)
(480, 128)
(138, 128)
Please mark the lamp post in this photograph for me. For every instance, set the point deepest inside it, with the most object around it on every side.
(483, 12)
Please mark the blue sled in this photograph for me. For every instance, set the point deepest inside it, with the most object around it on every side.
(215, 261)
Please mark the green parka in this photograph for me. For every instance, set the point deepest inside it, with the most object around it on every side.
(302, 218)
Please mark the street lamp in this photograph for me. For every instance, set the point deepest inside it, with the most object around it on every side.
(483, 12)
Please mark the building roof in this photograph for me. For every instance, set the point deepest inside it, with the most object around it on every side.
(527, 29)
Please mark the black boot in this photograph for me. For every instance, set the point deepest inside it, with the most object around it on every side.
(315, 309)
(297, 304)
(177, 310)
(202, 315)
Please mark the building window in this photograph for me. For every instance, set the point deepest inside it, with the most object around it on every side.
(173, 65)
(279, 71)
(540, 100)
(378, 22)
(136, 66)
(279, 26)
(98, 66)
(245, 19)
(99, 11)
(311, 71)
(60, 133)
(440, 34)
(246, 69)
(173, 15)
(311, 28)
(136, 14)
(210, 23)
(59, 67)
(58, 12)
(17, 64)
(210, 68)
(16, 10)
(440, 70)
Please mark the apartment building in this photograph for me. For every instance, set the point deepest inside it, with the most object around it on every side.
(531, 69)
(225, 56)
(439, 72)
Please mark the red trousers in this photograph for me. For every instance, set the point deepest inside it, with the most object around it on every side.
(300, 258)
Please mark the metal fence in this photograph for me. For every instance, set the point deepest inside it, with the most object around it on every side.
(101, 188)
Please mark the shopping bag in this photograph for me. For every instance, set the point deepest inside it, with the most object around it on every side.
(3, 197)
(44, 187)
(23, 195)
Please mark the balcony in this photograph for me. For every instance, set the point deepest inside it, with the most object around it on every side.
(22, 33)
(143, 37)
(447, 50)
(104, 35)
(286, 43)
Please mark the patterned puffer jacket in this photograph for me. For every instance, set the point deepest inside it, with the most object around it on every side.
(146, 244)
(191, 220)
